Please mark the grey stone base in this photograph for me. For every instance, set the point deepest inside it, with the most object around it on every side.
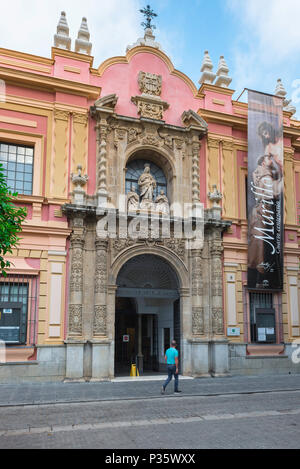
(49, 366)
(243, 364)
(202, 359)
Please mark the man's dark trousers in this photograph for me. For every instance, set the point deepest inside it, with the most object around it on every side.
(171, 372)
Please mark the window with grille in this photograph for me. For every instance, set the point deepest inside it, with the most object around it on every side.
(17, 164)
(262, 318)
(18, 308)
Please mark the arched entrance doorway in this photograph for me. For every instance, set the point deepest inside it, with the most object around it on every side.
(147, 313)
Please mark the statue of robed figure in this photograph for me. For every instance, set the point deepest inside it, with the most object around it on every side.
(147, 184)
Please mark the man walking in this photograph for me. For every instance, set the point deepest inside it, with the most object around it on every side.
(171, 358)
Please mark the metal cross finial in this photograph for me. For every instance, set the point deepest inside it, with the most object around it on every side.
(149, 14)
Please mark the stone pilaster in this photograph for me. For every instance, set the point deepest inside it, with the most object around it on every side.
(75, 342)
(230, 199)
(218, 344)
(213, 145)
(217, 313)
(100, 308)
(197, 294)
(76, 280)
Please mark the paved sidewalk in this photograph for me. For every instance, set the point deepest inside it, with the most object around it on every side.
(47, 393)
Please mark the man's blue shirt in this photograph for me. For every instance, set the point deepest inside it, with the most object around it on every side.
(171, 354)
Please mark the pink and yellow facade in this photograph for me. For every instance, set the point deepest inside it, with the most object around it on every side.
(68, 113)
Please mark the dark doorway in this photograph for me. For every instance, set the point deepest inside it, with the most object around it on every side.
(126, 330)
(147, 314)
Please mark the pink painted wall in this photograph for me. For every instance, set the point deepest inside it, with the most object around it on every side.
(122, 79)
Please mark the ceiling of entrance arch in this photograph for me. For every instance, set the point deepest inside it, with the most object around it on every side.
(147, 271)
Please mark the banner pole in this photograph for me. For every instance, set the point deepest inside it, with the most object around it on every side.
(242, 93)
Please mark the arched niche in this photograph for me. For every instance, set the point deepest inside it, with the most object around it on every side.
(158, 160)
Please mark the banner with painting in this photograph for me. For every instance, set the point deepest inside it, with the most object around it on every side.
(265, 191)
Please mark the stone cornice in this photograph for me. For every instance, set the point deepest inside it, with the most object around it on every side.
(26, 57)
(53, 84)
(55, 51)
(216, 89)
(241, 123)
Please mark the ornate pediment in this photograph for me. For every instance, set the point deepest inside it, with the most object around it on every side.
(104, 104)
(192, 119)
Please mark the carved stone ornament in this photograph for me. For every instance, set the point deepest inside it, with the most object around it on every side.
(100, 320)
(177, 246)
(197, 320)
(101, 267)
(197, 282)
(133, 134)
(76, 279)
(79, 118)
(61, 115)
(217, 321)
(150, 107)
(75, 319)
(150, 83)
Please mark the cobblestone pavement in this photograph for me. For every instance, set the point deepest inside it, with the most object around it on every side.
(250, 418)
(42, 393)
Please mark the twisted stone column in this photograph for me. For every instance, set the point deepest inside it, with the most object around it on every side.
(195, 172)
(102, 163)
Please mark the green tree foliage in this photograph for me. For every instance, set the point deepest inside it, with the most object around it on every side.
(11, 218)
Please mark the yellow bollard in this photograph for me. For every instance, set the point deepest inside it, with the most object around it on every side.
(134, 371)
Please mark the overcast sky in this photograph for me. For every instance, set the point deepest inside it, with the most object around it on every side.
(260, 39)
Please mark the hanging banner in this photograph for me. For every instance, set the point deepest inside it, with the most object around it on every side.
(265, 191)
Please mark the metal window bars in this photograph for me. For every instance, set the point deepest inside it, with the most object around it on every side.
(18, 309)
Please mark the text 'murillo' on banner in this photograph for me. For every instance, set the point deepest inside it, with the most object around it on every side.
(265, 192)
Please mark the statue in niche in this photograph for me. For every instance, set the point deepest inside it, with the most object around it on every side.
(132, 200)
(162, 203)
(147, 184)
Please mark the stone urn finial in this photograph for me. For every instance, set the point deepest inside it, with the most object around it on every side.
(215, 196)
(79, 182)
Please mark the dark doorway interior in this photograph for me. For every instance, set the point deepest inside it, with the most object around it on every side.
(126, 325)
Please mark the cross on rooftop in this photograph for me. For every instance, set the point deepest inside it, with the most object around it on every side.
(149, 15)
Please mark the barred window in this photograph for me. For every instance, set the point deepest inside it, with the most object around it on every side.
(17, 163)
(18, 309)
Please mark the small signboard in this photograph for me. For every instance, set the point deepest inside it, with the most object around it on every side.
(7, 311)
(233, 331)
(126, 338)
